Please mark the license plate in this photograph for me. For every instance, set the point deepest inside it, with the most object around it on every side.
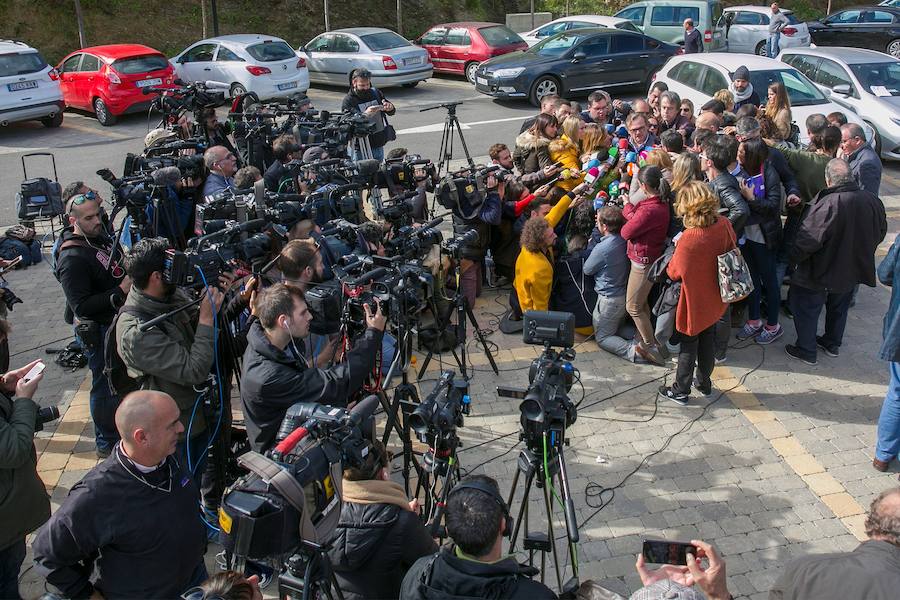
(481, 81)
(412, 61)
(287, 86)
(21, 85)
(148, 82)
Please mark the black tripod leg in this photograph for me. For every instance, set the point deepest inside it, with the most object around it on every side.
(463, 142)
(481, 339)
(522, 516)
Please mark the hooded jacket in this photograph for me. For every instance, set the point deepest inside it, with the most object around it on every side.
(532, 153)
(90, 284)
(766, 211)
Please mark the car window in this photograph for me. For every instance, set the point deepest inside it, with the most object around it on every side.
(805, 64)
(792, 20)
(844, 17)
(459, 36)
(674, 15)
(800, 89)
(22, 63)
(881, 79)
(344, 43)
(627, 43)
(581, 24)
(89, 64)
(558, 45)
(320, 44)
(270, 51)
(634, 14)
(627, 26)
(384, 41)
(226, 55)
(687, 73)
(742, 17)
(831, 74)
(597, 46)
(70, 64)
(200, 53)
(142, 64)
(551, 29)
(434, 37)
(713, 82)
(877, 16)
(499, 35)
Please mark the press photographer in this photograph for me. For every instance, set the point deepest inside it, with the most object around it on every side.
(285, 150)
(276, 374)
(24, 503)
(222, 165)
(369, 101)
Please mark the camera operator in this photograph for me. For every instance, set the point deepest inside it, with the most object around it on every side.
(222, 165)
(24, 504)
(276, 375)
(216, 133)
(474, 566)
(285, 149)
(380, 535)
(95, 287)
(367, 100)
(147, 540)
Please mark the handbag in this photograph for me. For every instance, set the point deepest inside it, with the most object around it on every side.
(735, 282)
(21, 233)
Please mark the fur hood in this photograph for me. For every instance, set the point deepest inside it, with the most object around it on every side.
(563, 144)
(528, 141)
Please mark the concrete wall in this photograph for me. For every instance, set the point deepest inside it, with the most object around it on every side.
(521, 22)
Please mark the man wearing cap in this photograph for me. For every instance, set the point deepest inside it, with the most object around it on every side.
(693, 41)
(369, 101)
(742, 89)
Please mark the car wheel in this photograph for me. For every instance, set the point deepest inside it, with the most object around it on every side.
(54, 121)
(105, 117)
(894, 48)
(875, 138)
(542, 86)
(761, 49)
(411, 84)
(237, 90)
(470, 71)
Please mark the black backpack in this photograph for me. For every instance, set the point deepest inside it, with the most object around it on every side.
(120, 382)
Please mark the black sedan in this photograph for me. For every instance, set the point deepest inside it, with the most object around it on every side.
(872, 27)
(577, 61)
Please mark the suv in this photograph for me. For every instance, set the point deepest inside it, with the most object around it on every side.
(664, 20)
(29, 87)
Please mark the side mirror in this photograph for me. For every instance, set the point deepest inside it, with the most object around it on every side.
(842, 89)
(180, 60)
(578, 57)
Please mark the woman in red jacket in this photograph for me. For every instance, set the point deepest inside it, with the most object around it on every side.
(645, 231)
(706, 235)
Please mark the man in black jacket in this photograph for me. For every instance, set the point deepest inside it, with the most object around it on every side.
(474, 567)
(284, 148)
(148, 540)
(834, 251)
(276, 375)
(379, 536)
(366, 100)
(95, 286)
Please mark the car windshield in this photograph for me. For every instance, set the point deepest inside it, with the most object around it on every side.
(499, 35)
(881, 79)
(384, 41)
(270, 51)
(557, 45)
(21, 63)
(792, 20)
(140, 64)
(801, 91)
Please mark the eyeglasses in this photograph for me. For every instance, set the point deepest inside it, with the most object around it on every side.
(685, 109)
(638, 129)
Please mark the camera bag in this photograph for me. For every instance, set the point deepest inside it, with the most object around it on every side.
(39, 197)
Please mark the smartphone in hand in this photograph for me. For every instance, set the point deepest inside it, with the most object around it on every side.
(665, 552)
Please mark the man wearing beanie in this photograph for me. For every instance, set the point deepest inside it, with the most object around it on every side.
(742, 89)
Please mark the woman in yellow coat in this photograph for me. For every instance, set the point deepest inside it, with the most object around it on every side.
(566, 151)
(534, 267)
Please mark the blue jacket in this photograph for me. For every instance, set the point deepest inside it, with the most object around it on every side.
(866, 167)
(888, 273)
(609, 264)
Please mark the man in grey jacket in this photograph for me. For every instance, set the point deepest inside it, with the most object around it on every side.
(777, 22)
(863, 159)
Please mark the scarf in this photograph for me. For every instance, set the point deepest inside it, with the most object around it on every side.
(740, 96)
(375, 491)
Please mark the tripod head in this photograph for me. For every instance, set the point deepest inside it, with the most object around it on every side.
(450, 106)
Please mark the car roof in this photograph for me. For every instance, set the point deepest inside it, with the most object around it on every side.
(599, 19)
(757, 9)
(363, 30)
(113, 52)
(891, 9)
(731, 61)
(241, 39)
(669, 3)
(468, 24)
(851, 56)
(592, 30)
(15, 46)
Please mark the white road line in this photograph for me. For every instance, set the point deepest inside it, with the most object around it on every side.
(434, 128)
(16, 150)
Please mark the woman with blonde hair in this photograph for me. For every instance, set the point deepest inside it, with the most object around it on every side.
(726, 98)
(685, 169)
(695, 265)
(565, 150)
(594, 138)
(778, 109)
(686, 109)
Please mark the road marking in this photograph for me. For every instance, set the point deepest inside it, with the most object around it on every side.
(17, 150)
(100, 132)
(435, 127)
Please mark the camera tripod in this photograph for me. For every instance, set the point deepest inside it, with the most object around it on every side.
(308, 574)
(441, 460)
(452, 128)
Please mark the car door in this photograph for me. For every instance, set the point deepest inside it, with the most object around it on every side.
(839, 27)
(684, 78)
(433, 41)
(196, 64)
(317, 52)
(88, 79)
(227, 66)
(343, 58)
(68, 74)
(456, 49)
(594, 70)
(830, 74)
(744, 31)
(630, 59)
(875, 30)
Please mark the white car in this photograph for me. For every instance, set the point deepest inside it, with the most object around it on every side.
(747, 29)
(575, 22)
(699, 76)
(262, 64)
(29, 87)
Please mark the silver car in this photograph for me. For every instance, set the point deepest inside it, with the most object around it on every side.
(748, 29)
(865, 82)
(391, 58)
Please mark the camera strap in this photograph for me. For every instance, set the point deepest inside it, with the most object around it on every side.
(286, 484)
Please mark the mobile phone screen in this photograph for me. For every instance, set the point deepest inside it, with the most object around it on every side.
(664, 552)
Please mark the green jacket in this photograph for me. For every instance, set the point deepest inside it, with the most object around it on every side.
(172, 357)
(24, 504)
(809, 169)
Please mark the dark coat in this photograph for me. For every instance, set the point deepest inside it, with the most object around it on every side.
(889, 274)
(274, 175)
(766, 211)
(573, 290)
(373, 548)
(358, 101)
(872, 571)
(835, 246)
(532, 153)
(736, 210)
(866, 167)
(92, 290)
(273, 380)
(447, 576)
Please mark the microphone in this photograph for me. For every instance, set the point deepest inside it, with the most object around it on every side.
(166, 176)
(369, 276)
(364, 409)
(349, 187)
(623, 143)
(252, 225)
(368, 166)
(216, 85)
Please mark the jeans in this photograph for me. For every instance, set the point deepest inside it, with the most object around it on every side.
(888, 445)
(470, 280)
(772, 48)
(103, 402)
(764, 273)
(11, 559)
(639, 287)
(699, 350)
(806, 304)
(608, 315)
(665, 328)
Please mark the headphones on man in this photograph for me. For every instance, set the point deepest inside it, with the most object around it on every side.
(480, 486)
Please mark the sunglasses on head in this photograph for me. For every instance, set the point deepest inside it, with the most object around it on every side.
(80, 199)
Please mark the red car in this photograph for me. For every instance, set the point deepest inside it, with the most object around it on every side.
(461, 47)
(109, 80)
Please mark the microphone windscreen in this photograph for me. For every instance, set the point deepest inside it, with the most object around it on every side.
(166, 176)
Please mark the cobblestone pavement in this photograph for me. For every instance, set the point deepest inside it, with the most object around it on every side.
(776, 464)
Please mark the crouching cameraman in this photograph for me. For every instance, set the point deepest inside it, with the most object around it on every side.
(380, 535)
(276, 375)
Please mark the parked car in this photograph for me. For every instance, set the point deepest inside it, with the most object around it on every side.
(699, 77)
(664, 20)
(265, 65)
(460, 47)
(576, 22)
(29, 87)
(580, 60)
(747, 29)
(872, 27)
(109, 80)
(865, 82)
(889, 3)
(390, 57)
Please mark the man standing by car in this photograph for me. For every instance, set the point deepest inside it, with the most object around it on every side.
(864, 161)
(364, 99)
(777, 22)
(693, 41)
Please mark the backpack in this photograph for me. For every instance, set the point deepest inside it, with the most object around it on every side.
(120, 382)
(58, 247)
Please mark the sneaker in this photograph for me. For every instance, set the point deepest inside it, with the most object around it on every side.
(748, 331)
(669, 393)
(831, 351)
(767, 336)
(705, 391)
(795, 352)
(721, 360)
